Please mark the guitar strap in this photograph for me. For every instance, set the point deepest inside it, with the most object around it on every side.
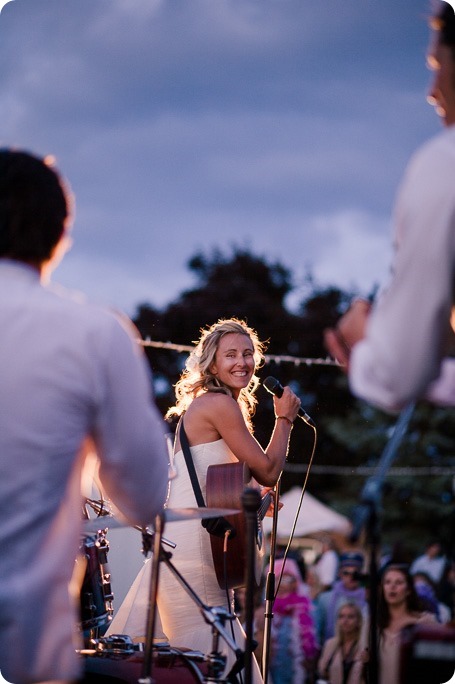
(190, 465)
(216, 526)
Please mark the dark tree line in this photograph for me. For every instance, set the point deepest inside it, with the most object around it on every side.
(350, 433)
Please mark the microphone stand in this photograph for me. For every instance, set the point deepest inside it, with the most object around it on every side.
(270, 587)
(251, 501)
(366, 515)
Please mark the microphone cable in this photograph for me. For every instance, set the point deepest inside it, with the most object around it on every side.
(299, 506)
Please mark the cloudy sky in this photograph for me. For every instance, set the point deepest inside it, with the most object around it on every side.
(281, 126)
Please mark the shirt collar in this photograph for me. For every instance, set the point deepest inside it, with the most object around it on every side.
(19, 270)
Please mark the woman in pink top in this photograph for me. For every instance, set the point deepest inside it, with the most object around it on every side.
(294, 647)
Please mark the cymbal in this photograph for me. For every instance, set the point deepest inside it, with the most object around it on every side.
(101, 522)
(170, 515)
(178, 514)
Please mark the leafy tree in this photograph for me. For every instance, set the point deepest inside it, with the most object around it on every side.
(413, 507)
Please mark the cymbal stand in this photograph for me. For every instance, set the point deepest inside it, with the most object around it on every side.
(216, 660)
(216, 616)
(147, 664)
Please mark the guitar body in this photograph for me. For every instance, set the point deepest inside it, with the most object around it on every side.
(225, 485)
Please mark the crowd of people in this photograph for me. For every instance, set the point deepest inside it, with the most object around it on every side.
(329, 620)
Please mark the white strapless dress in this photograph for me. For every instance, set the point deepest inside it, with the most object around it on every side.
(179, 616)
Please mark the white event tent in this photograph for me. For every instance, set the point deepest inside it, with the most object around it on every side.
(314, 516)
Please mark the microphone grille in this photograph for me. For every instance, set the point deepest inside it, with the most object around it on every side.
(271, 384)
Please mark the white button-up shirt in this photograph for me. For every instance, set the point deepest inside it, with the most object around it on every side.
(67, 370)
(402, 353)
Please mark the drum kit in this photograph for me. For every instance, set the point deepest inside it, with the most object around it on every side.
(118, 658)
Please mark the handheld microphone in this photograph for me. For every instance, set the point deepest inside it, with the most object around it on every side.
(275, 387)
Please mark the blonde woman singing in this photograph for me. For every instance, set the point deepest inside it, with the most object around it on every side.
(215, 401)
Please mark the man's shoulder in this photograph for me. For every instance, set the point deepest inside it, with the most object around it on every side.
(430, 171)
(420, 557)
(78, 303)
(440, 148)
(325, 596)
(76, 309)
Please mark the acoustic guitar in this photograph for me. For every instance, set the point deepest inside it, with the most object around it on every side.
(224, 488)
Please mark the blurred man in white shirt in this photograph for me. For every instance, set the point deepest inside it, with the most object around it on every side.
(400, 349)
(69, 371)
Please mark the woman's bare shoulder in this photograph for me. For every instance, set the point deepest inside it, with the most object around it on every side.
(202, 418)
(210, 401)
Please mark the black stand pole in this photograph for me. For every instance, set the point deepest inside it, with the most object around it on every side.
(251, 501)
(270, 588)
(147, 664)
(366, 515)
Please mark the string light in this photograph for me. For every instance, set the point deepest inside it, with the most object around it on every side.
(397, 471)
(269, 358)
(321, 469)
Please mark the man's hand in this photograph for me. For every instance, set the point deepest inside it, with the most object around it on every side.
(349, 330)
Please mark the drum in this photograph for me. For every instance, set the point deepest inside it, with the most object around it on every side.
(111, 666)
(96, 595)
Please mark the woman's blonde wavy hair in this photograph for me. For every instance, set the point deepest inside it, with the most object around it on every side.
(356, 608)
(197, 378)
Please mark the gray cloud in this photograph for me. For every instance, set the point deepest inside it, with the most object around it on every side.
(189, 124)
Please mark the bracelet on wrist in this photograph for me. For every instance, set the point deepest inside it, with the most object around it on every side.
(291, 423)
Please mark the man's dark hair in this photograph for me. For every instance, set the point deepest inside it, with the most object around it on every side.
(34, 205)
(444, 23)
